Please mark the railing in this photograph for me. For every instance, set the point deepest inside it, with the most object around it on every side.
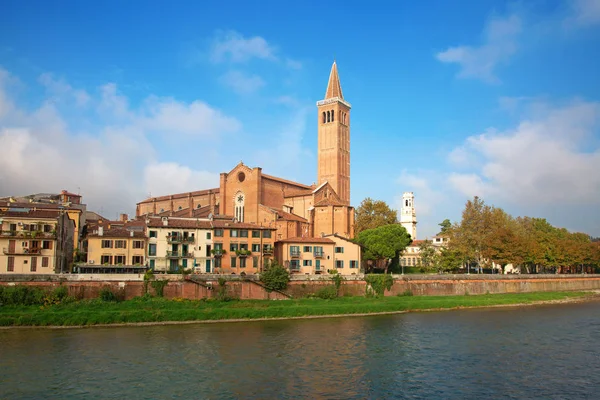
(180, 239)
(318, 254)
(179, 254)
(243, 253)
(217, 252)
(268, 252)
(22, 252)
(295, 253)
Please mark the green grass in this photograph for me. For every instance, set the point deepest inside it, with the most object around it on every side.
(93, 312)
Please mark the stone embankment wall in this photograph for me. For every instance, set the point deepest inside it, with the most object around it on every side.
(84, 286)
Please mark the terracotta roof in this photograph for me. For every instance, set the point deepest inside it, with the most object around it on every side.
(203, 212)
(70, 194)
(328, 201)
(274, 178)
(417, 243)
(225, 224)
(179, 195)
(306, 240)
(334, 88)
(119, 233)
(30, 214)
(288, 216)
(45, 206)
(298, 193)
(184, 223)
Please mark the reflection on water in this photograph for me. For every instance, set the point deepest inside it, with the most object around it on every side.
(548, 352)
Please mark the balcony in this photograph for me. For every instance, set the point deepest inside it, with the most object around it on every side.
(243, 253)
(267, 251)
(218, 253)
(318, 254)
(295, 253)
(180, 239)
(179, 254)
(23, 252)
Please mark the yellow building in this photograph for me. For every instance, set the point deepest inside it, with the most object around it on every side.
(116, 247)
(35, 241)
(313, 256)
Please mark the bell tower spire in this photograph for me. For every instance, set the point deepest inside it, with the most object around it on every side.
(334, 138)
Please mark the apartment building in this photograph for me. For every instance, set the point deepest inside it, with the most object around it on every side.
(304, 255)
(240, 247)
(116, 247)
(179, 243)
(35, 241)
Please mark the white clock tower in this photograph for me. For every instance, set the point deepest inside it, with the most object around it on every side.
(408, 215)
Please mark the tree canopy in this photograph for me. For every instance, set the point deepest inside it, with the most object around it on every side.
(488, 234)
(445, 227)
(383, 243)
(372, 214)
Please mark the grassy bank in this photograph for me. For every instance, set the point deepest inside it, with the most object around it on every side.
(94, 312)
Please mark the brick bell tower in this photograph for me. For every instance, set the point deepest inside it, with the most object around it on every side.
(333, 157)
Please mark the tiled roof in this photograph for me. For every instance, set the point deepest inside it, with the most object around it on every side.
(306, 240)
(31, 214)
(179, 195)
(289, 216)
(274, 178)
(298, 193)
(184, 223)
(119, 233)
(328, 201)
(225, 224)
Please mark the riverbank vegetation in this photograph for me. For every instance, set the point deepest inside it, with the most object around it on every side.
(21, 308)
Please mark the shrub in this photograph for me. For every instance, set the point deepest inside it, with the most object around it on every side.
(328, 292)
(378, 283)
(106, 294)
(159, 287)
(275, 277)
(407, 292)
(21, 295)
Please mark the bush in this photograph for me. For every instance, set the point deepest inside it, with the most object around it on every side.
(378, 283)
(328, 292)
(275, 277)
(106, 294)
(159, 287)
(21, 295)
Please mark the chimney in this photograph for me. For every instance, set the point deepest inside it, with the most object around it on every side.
(131, 233)
(100, 230)
(123, 217)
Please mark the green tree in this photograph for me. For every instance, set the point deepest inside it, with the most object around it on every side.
(449, 260)
(383, 243)
(445, 227)
(275, 277)
(372, 214)
(428, 254)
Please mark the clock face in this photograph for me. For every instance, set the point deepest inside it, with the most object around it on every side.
(240, 198)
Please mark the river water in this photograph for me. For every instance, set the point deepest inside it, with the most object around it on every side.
(542, 352)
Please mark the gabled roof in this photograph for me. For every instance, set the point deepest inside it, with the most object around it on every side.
(274, 178)
(179, 195)
(334, 88)
(306, 240)
(328, 201)
(288, 216)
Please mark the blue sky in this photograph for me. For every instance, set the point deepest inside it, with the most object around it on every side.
(450, 99)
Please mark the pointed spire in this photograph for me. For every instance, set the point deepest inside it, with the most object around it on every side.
(334, 88)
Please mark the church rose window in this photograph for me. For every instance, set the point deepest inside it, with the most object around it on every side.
(241, 177)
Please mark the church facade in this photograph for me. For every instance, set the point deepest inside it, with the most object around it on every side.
(296, 210)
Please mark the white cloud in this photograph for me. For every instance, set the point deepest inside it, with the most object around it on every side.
(480, 62)
(585, 12)
(234, 47)
(548, 159)
(63, 91)
(168, 177)
(242, 83)
(113, 164)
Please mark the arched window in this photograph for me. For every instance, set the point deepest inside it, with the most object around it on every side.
(406, 203)
(324, 120)
(332, 115)
(328, 117)
(179, 209)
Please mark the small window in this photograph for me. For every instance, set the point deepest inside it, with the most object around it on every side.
(339, 264)
(353, 264)
(233, 262)
(256, 248)
(307, 249)
(324, 118)
(243, 262)
(218, 232)
(46, 245)
(332, 115)
(44, 262)
(153, 234)
(255, 262)
(119, 259)
(120, 244)
(152, 249)
(137, 260)
(307, 263)
(255, 234)
(138, 244)
(233, 247)
(179, 208)
(208, 235)
(339, 249)
(267, 234)
(244, 233)
(107, 244)
(233, 233)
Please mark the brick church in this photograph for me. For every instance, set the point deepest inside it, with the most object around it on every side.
(297, 210)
